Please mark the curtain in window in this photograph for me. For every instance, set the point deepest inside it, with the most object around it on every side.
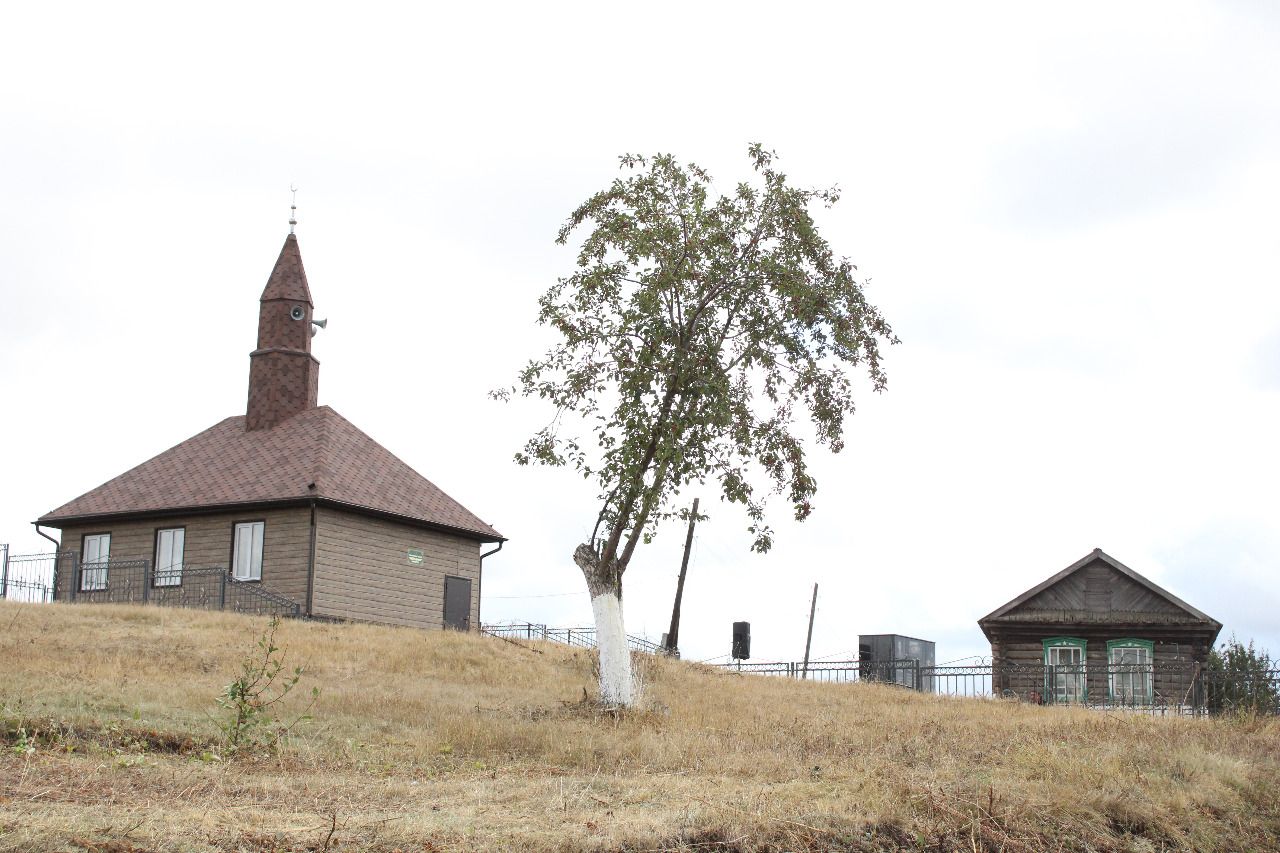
(247, 560)
(1065, 660)
(93, 562)
(169, 548)
(1131, 672)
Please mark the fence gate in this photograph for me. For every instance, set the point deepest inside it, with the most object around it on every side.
(32, 577)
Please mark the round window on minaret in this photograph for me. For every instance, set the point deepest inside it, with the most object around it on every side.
(297, 313)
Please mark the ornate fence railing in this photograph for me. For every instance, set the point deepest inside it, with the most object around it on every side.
(61, 576)
(584, 638)
(1249, 691)
(903, 673)
(31, 577)
(1175, 688)
(1161, 688)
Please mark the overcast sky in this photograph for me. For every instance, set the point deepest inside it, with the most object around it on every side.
(1068, 215)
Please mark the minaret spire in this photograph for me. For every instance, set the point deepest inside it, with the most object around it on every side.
(293, 208)
(283, 374)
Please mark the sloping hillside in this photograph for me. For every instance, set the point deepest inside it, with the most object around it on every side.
(442, 741)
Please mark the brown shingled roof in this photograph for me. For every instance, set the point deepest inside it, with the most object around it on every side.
(226, 466)
(288, 278)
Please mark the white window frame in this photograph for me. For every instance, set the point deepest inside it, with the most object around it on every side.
(1070, 680)
(246, 550)
(170, 548)
(1131, 680)
(95, 555)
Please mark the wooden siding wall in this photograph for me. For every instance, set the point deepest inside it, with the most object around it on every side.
(1098, 588)
(363, 570)
(1020, 647)
(207, 542)
(1097, 603)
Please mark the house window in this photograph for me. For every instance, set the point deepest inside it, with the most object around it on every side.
(95, 554)
(169, 548)
(246, 551)
(1130, 670)
(1065, 676)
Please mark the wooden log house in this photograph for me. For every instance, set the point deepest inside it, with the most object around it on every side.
(1098, 632)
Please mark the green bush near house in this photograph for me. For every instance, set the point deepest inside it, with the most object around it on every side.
(1242, 678)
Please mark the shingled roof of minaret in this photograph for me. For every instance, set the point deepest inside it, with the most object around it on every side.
(288, 279)
(226, 466)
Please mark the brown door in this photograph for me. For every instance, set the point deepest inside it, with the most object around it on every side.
(457, 603)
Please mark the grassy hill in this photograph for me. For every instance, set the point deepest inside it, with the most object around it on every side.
(442, 741)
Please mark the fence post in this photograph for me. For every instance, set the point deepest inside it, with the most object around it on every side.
(75, 576)
(57, 572)
(4, 573)
(146, 581)
(222, 592)
(919, 685)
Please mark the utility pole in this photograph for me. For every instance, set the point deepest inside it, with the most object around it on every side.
(808, 640)
(673, 635)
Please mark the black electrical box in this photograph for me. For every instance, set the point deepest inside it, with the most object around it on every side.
(742, 640)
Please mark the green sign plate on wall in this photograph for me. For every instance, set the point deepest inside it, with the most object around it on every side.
(415, 556)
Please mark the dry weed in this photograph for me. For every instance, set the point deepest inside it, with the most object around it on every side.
(445, 741)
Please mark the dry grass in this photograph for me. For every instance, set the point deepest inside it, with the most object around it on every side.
(440, 741)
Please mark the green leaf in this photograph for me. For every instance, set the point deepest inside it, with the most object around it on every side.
(697, 333)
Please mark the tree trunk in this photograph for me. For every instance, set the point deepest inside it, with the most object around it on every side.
(604, 581)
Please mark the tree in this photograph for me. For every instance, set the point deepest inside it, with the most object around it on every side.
(1242, 678)
(694, 329)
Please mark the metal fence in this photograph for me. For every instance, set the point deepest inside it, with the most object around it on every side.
(1163, 688)
(31, 577)
(584, 638)
(1251, 691)
(903, 673)
(44, 577)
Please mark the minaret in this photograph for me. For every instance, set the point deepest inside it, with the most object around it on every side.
(284, 376)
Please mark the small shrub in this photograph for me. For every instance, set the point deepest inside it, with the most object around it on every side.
(24, 744)
(250, 702)
(1242, 679)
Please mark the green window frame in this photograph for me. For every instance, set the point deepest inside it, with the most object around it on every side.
(1066, 669)
(1130, 670)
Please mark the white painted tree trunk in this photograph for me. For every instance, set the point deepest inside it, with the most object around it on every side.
(615, 658)
(605, 583)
